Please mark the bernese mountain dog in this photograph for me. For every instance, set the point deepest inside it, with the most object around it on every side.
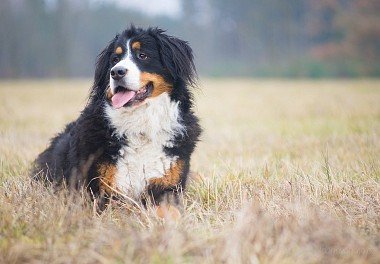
(137, 132)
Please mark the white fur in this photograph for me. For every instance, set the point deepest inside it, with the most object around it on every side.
(148, 129)
(132, 78)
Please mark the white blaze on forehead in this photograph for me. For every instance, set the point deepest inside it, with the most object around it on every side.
(132, 78)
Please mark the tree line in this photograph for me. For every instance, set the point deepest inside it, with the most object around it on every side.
(294, 38)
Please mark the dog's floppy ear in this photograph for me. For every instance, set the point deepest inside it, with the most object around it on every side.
(101, 71)
(102, 64)
(177, 57)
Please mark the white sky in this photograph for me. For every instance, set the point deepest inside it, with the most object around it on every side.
(151, 7)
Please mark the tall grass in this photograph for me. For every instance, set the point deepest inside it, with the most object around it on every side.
(287, 171)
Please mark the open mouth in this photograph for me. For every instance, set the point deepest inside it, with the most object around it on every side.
(124, 97)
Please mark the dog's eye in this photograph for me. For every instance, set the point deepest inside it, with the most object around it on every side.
(142, 56)
(115, 60)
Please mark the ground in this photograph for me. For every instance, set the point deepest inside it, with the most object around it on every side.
(288, 171)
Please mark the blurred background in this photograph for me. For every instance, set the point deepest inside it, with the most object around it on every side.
(271, 38)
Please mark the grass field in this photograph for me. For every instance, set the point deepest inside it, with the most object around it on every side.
(290, 172)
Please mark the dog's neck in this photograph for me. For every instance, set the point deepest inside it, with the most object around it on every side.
(157, 119)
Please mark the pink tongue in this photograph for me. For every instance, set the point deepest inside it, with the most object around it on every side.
(121, 98)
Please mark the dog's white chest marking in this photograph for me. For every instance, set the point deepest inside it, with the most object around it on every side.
(148, 129)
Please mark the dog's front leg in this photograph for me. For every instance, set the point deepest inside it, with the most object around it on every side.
(164, 192)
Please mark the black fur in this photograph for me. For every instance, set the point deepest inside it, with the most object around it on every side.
(73, 155)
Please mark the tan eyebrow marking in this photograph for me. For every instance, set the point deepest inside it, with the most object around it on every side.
(136, 45)
(119, 50)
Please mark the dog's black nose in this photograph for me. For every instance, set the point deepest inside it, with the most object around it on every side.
(118, 72)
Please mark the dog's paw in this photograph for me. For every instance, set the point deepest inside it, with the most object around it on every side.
(195, 177)
(168, 212)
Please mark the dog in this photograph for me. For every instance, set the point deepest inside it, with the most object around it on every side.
(137, 132)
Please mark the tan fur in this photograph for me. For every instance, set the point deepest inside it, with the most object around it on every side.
(109, 93)
(119, 50)
(107, 176)
(171, 177)
(136, 45)
(195, 176)
(168, 212)
(159, 84)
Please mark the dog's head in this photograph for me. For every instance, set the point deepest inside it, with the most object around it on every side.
(142, 64)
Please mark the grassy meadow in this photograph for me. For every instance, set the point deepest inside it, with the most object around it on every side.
(288, 171)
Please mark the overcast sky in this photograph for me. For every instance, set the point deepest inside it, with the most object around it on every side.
(151, 7)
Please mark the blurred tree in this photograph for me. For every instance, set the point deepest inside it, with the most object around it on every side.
(345, 35)
(41, 38)
(362, 35)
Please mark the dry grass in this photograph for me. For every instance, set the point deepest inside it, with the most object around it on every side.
(290, 169)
